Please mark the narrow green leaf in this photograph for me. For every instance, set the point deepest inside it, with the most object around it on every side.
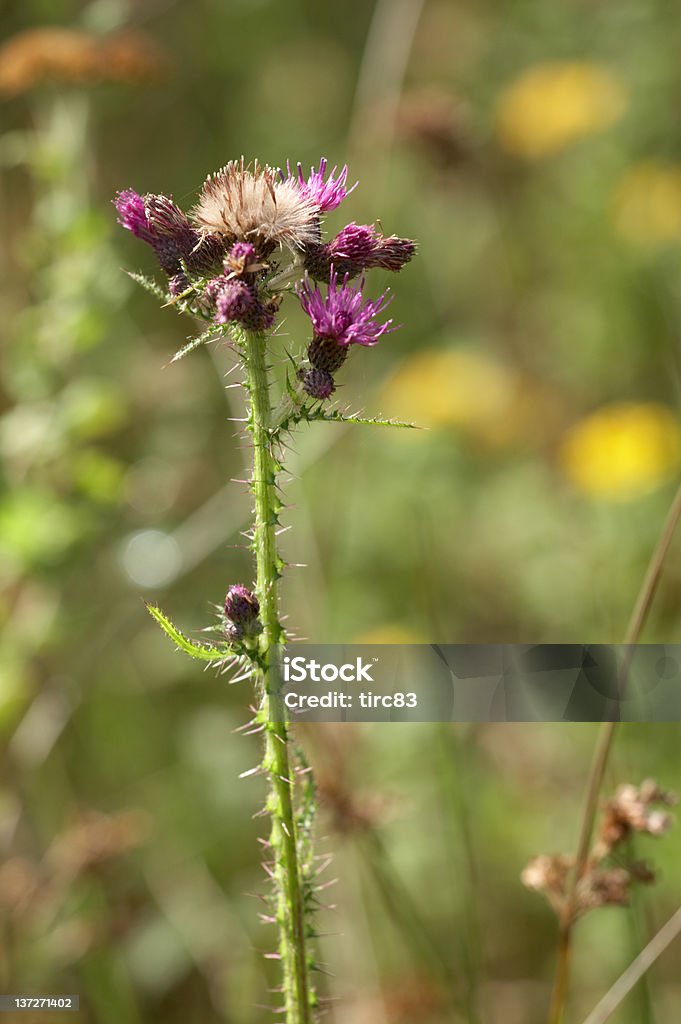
(315, 413)
(194, 343)
(148, 284)
(204, 652)
(335, 416)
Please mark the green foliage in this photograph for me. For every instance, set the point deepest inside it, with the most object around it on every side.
(201, 651)
(320, 414)
(212, 334)
(148, 284)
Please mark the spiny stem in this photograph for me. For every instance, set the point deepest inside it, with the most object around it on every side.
(602, 751)
(288, 881)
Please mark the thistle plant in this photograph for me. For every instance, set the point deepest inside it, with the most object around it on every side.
(255, 234)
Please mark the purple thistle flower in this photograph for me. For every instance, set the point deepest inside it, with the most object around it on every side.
(327, 195)
(242, 260)
(242, 252)
(167, 220)
(344, 316)
(162, 225)
(132, 215)
(233, 301)
(355, 244)
(358, 247)
(241, 604)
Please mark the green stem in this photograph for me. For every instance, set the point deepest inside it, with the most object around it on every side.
(288, 881)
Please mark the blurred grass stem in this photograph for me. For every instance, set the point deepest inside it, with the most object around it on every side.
(599, 763)
(636, 970)
(381, 76)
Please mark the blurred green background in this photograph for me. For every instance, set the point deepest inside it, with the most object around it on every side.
(534, 150)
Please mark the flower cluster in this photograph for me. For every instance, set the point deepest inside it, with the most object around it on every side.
(633, 809)
(609, 872)
(222, 258)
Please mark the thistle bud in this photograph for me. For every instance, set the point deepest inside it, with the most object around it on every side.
(242, 609)
(240, 257)
(318, 383)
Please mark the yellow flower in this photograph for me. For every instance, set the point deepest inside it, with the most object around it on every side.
(647, 203)
(457, 387)
(447, 386)
(551, 105)
(622, 450)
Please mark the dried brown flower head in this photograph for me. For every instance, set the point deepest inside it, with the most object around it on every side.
(42, 55)
(610, 871)
(633, 809)
(254, 204)
(548, 873)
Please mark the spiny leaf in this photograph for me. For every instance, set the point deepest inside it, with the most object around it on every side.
(204, 652)
(315, 413)
(336, 416)
(148, 284)
(193, 343)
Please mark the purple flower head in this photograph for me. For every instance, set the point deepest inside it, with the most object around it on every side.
(242, 259)
(159, 222)
(327, 195)
(355, 244)
(241, 605)
(201, 252)
(344, 316)
(132, 214)
(167, 220)
(233, 301)
(242, 252)
(356, 248)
